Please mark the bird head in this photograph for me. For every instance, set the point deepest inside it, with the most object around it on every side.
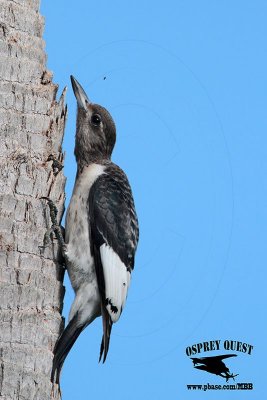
(95, 129)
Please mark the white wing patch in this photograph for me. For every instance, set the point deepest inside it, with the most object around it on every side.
(117, 281)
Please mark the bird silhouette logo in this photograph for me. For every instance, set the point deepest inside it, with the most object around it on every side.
(214, 365)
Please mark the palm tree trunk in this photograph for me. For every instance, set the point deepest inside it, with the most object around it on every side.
(31, 132)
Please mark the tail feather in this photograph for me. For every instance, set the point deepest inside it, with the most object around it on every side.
(63, 346)
(107, 326)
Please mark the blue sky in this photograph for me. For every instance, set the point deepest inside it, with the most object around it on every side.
(186, 84)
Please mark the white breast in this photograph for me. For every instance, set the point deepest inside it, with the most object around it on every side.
(79, 259)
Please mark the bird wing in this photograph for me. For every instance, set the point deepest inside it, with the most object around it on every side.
(211, 360)
(114, 236)
(222, 357)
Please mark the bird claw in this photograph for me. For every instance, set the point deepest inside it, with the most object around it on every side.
(48, 238)
(55, 228)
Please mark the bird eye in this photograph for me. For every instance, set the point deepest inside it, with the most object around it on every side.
(96, 119)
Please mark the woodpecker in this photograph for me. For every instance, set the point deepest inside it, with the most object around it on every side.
(101, 232)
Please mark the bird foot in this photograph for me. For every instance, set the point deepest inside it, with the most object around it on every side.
(55, 228)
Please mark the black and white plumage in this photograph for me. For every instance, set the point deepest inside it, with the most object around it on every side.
(101, 232)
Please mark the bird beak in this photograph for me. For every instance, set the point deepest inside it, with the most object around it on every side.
(80, 94)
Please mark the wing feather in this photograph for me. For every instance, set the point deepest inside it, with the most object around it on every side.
(114, 236)
(117, 281)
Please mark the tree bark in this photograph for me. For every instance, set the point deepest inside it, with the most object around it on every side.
(31, 132)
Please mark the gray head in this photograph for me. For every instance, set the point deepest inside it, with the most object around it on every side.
(95, 130)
